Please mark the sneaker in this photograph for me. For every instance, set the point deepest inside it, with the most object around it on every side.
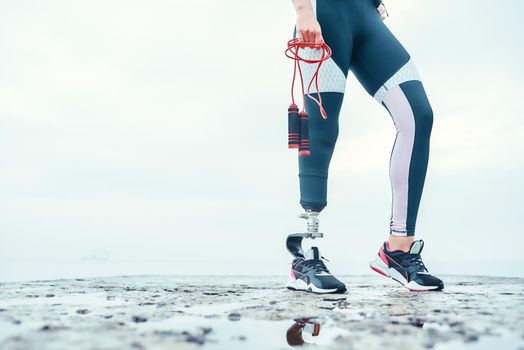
(406, 268)
(310, 274)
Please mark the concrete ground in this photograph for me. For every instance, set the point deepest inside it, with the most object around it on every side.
(173, 312)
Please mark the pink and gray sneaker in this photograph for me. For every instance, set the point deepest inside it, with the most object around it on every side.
(406, 268)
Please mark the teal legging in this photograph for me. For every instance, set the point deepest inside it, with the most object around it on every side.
(362, 43)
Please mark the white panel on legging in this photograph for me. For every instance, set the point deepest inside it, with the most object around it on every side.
(330, 78)
(404, 120)
(408, 72)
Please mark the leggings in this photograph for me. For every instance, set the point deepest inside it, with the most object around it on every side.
(362, 43)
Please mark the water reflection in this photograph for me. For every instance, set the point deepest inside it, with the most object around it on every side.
(313, 331)
(295, 333)
(307, 331)
(345, 322)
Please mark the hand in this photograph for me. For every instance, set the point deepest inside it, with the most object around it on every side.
(308, 28)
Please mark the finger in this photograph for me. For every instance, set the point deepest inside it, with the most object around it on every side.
(318, 38)
(305, 35)
(310, 36)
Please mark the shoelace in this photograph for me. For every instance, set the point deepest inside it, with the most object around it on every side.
(416, 260)
(317, 264)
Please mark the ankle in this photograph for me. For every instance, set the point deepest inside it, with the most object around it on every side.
(400, 243)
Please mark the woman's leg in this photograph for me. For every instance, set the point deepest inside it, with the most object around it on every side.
(384, 68)
(323, 133)
(313, 169)
(413, 118)
(386, 71)
(308, 271)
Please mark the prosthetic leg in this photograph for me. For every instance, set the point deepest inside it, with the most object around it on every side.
(308, 271)
(294, 240)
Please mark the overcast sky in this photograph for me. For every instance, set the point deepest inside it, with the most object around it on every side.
(150, 137)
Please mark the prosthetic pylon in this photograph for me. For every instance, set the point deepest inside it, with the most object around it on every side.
(294, 240)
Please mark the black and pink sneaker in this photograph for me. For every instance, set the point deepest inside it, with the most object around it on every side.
(406, 268)
(310, 274)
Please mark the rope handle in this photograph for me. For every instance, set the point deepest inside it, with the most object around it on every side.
(292, 52)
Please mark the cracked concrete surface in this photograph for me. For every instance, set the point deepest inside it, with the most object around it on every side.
(182, 312)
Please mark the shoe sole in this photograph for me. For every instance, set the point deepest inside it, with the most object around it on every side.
(379, 266)
(300, 285)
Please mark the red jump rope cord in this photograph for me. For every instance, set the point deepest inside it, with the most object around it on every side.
(292, 52)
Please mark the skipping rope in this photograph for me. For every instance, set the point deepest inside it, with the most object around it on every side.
(298, 127)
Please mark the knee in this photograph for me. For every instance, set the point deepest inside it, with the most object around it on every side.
(420, 107)
(424, 118)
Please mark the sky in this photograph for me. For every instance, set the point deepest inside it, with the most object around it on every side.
(150, 137)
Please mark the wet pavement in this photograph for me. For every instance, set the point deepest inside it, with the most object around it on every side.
(173, 312)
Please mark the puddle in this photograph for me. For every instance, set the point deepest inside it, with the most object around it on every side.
(8, 329)
(245, 333)
(212, 309)
(93, 299)
(506, 341)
